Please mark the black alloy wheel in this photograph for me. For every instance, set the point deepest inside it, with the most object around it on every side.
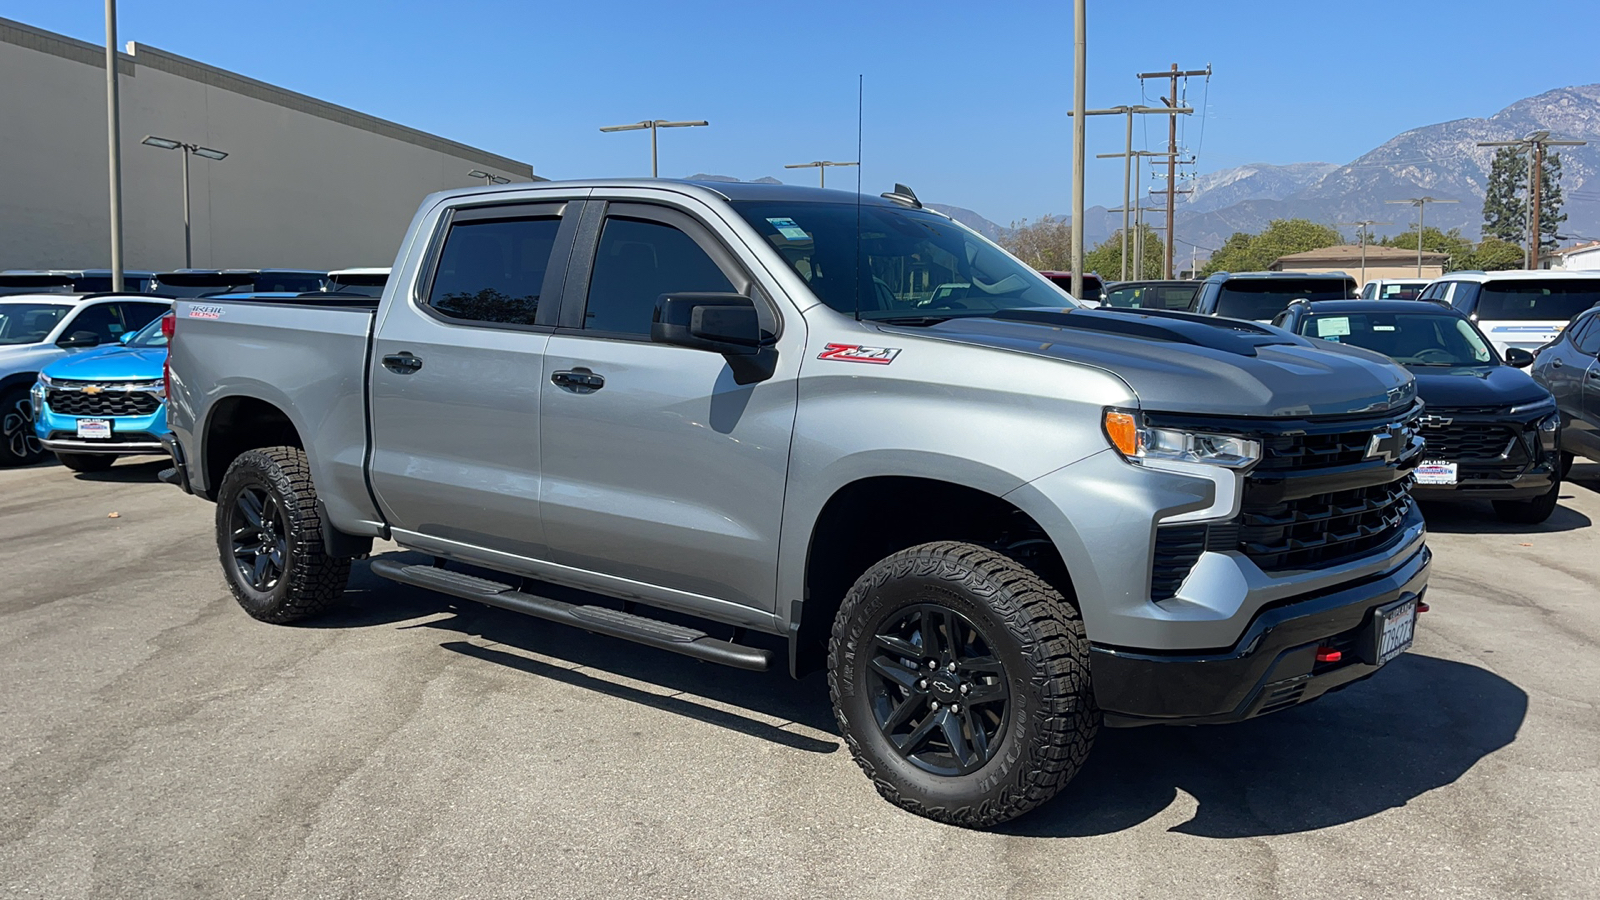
(260, 539)
(938, 692)
(18, 444)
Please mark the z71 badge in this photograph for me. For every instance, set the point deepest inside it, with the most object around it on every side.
(856, 353)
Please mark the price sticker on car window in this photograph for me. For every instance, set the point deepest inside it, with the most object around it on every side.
(789, 229)
(1331, 327)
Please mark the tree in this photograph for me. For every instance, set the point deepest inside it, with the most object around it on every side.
(1046, 244)
(1550, 200)
(1451, 243)
(1106, 258)
(1493, 254)
(1244, 252)
(1505, 209)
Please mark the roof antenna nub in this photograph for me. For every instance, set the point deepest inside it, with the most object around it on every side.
(904, 196)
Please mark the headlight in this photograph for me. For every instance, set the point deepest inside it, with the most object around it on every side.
(1138, 443)
(44, 380)
(1548, 404)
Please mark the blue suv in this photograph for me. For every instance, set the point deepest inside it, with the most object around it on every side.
(95, 406)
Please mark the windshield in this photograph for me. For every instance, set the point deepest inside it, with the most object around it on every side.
(101, 284)
(1553, 300)
(913, 264)
(29, 323)
(1411, 339)
(1151, 296)
(1400, 290)
(150, 335)
(1262, 299)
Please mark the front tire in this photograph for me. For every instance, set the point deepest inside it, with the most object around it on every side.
(19, 446)
(1530, 512)
(960, 681)
(269, 536)
(86, 462)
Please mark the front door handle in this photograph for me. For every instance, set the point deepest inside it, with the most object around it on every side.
(403, 362)
(578, 380)
(1557, 362)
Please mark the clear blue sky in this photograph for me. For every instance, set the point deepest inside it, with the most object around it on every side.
(965, 101)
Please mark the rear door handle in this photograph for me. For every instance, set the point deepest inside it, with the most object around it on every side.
(1557, 363)
(403, 362)
(579, 380)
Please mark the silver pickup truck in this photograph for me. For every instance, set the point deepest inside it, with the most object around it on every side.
(998, 520)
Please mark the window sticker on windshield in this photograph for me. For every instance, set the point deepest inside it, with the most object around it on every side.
(789, 229)
(1333, 326)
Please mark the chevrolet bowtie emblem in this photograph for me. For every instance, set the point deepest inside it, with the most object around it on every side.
(92, 389)
(1435, 421)
(1385, 444)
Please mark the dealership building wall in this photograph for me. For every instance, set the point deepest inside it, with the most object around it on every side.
(306, 184)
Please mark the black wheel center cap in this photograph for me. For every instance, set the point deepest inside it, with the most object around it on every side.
(944, 685)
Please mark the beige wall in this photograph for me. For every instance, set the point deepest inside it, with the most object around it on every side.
(1374, 272)
(306, 184)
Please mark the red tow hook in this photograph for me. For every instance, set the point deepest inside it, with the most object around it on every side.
(1422, 607)
(1329, 655)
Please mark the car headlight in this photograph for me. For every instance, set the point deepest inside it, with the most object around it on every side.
(1139, 443)
(1547, 405)
(44, 381)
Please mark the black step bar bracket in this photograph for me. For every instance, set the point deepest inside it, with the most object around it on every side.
(598, 619)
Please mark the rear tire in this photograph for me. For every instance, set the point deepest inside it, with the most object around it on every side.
(269, 537)
(1529, 512)
(86, 462)
(19, 446)
(960, 681)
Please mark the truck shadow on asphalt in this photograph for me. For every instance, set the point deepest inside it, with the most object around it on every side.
(1477, 517)
(1418, 725)
(128, 472)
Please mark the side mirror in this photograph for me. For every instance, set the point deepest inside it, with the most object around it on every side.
(79, 339)
(1519, 358)
(127, 336)
(720, 323)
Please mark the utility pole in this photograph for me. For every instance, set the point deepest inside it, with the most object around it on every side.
(1172, 141)
(1080, 65)
(821, 166)
(1535, 143)
(114, 144)
(1137, 157)
(1363, 234)
(1127, 159)
(1170, 192)
(1421, 203)
(653, 125)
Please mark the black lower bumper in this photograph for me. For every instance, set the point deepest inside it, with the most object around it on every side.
(1272, 667)
(1489, 484)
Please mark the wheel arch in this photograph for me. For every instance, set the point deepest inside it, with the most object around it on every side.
(238, 423)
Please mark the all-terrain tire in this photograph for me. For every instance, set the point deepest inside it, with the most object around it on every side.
(19, 446)
(1019, 620)
(1529, 512)
(86, 462)
(310, 581)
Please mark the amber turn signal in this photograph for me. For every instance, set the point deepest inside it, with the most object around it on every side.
(1123, 431)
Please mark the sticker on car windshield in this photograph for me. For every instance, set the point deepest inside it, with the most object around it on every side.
(205, 311)
(789, 229)
(1332, 326)
(856, 353)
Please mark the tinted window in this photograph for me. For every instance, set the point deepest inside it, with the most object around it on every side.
(198, 284)
(1399, 291)
(898, 263)
(493, 271)
(1262, 299)
(28, 323)
(1413, 339)
(289, 282)
(639, 261)
(1536, 300)
(110, 321)
(149, 336)
(1158, 296)
(1434, 291)
(1587, 338)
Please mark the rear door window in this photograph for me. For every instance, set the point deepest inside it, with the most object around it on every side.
(492, 271)
(110, 321)
(1587, 336)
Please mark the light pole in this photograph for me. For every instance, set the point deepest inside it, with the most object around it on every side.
(114, 144)
(208, 153)
(1535, 143)
(654, 124)
(1421, 203)
(1080, 65)
(1363, 232)
(821, 166)
(487, 177)
(1127, 161)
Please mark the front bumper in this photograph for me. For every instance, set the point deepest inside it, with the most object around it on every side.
(1533, 482)
(130, 435)
(1271, 667)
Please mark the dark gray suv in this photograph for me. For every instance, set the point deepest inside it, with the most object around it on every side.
(1260, 296)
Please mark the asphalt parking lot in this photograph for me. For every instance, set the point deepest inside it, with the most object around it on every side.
(157, 742)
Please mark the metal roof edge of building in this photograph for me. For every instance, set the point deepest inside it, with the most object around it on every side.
(22, 35)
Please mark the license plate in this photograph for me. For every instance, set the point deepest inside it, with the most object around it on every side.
(1437, 472)
(1396, 628)
(94, 429)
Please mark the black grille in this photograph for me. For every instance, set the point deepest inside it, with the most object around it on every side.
(1178, 548)
(1469, 441)
(1324, 529)
(1308, 450)
(105, 403)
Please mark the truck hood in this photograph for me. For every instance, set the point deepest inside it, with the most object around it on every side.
(1476, 386)
(1179, 362)
(113, 363)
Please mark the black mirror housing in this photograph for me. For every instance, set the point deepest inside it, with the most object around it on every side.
(1518, 358)
(720, 323)
(80, 339)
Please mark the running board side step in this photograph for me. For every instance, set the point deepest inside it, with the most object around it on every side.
(598, 619)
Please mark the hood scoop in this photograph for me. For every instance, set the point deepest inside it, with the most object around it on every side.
(1226, 335)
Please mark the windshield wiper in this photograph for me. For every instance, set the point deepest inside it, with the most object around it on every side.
(912, 320)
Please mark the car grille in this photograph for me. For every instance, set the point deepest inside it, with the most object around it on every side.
(1315, 499)
(1471, 441)
(105, 403)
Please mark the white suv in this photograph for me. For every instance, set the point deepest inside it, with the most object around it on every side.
(1518, 308)
(1393, 288)
(37, 329)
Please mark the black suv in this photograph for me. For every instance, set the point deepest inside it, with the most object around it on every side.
(1151, 295)
(1570, 367)
(1491, 430)
(1262, 295)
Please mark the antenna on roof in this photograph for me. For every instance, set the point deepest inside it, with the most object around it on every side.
(861, 88)
(903, 195)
